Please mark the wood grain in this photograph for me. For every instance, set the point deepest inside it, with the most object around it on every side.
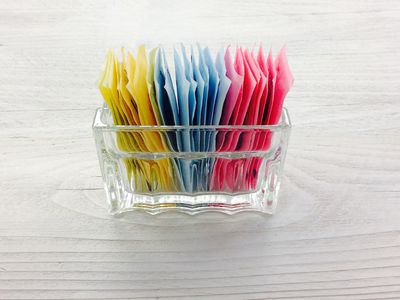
(336, 234)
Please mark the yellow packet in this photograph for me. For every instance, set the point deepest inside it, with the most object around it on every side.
(115, 82)
(137, 86)
(150, 86)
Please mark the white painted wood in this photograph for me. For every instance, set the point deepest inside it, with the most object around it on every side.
(336, 234)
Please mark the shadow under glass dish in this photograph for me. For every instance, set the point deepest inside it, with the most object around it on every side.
(191, 168)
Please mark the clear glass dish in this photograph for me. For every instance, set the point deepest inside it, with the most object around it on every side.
(191, 169)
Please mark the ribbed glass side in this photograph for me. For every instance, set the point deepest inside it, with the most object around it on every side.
(191, 169)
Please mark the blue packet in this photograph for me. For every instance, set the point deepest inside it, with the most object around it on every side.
(162, 97)
(166, 98)
(223, 87)
(195, 91)
(213, 83)
(213, 86)
(166, 109)
(182, 91)
(224, 84)
(193, 84)
(199, 90)
(206, 77)
(196, 170)
(187, 65)
(202, 117)
(199, 96)
(169, 87)
(203, 113)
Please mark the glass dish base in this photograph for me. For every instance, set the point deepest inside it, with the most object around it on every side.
(262, 200)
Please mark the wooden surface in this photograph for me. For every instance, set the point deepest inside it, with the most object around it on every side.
(336, 234)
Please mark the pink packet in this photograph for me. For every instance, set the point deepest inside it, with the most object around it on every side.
(264, 97)
(243, 174)
(235, 74)
(264, 68)
(229, 142)
(270, 98)
(233, 92)
(259, 103)
(271, 87)
(249, 83)
(283, 83)
(247, 138)
(239, 67)
(234, 171)
(240, 111)
(252, 113)
(221, 179)
(259, 98)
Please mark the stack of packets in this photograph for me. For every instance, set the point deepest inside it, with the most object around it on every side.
(238, 86)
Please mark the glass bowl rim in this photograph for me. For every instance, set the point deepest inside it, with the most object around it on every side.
(98, 123)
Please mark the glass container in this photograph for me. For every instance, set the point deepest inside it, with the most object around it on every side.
(191, 169)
